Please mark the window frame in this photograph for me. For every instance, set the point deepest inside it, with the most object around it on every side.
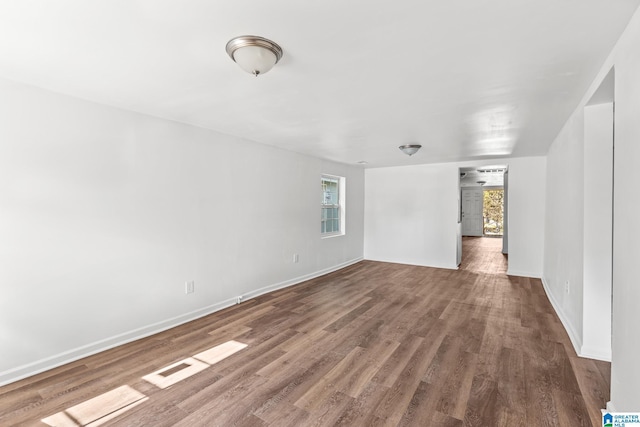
(340, 206)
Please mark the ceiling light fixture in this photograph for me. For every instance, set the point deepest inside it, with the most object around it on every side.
(410, 149)
(256, 55)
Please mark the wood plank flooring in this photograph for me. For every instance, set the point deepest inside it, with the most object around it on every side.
(374, 344)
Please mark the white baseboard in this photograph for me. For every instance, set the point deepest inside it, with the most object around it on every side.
(595, 353)
(523, 274)
(72, 355)
(610, 407)
(42, 365)
(403, 262)
(576, 340)
(299, 279)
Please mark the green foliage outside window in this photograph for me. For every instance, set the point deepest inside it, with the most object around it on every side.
(493, 212)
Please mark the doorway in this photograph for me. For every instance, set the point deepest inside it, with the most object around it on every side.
(483, 205)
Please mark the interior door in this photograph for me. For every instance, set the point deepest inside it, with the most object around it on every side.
(472, 212)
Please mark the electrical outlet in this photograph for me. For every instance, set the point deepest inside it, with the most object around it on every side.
(189, 287)
(567, 287)
(295, 258)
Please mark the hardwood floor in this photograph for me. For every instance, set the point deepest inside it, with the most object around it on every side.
(372, 344)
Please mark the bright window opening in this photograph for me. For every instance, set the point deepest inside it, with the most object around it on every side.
(332, 208)
(493, 212)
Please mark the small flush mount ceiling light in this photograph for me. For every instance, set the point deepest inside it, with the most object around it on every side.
(255, 55)
(410, 149)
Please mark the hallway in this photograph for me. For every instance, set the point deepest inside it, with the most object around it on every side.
(483, 255)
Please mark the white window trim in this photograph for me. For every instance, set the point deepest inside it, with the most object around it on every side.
(341, 206)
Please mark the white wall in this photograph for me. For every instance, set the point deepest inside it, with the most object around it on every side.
(526, 215)
(104, 214)
(411, 214)
(564, 238)
(598, 205)
(563, 252)
(625, 369)
(577, 267)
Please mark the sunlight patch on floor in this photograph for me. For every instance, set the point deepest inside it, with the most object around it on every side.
(98, 410)
(172, 374)
(192, 367)
(102, 408)
(220, 352)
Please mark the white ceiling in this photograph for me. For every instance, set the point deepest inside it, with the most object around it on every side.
(466, 79)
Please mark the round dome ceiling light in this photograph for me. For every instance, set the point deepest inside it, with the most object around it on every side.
(410, 149)
(256, 55)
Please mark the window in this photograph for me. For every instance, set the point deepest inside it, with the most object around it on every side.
(332, 207)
